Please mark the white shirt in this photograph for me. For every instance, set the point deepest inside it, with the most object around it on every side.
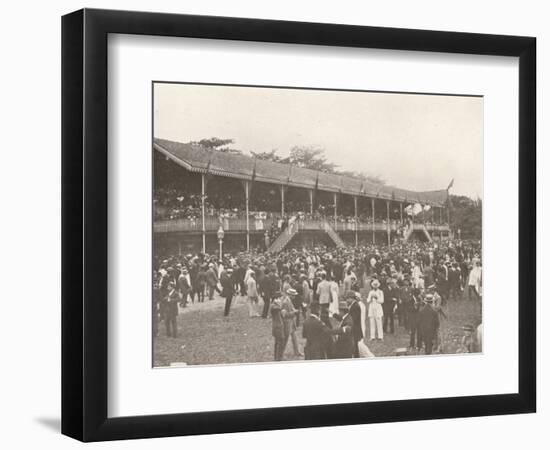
(475, 277)
(374, 302)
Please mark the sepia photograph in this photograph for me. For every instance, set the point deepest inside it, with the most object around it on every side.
(294, 224)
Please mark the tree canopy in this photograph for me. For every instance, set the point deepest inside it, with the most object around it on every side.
(466, 216)
(314, 158)
(308, 157)
(218, 144)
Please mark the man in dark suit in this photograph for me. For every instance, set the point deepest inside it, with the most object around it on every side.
(228, 289)
(278, 327)
(455, 282)
(184, 285)
(428, 324)
(193, 274)
(355, 313)
(391, 296)
(345, 344)
(442, 281)
(413, 310)
(317, 335)
(269, 285)
(170, 310)
(211, 281)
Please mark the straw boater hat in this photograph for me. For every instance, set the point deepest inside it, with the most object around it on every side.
(375, 284)
(292, 292)
(429, 298)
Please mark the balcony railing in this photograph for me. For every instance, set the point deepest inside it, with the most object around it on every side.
(212, 224)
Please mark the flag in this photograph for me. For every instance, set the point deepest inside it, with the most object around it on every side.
(451, 184)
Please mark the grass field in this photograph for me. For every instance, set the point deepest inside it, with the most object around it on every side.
(206, 337)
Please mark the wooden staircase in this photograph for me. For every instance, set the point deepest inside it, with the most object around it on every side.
(333, 235)
(416, 227)
(284, 238)
(408, 232)
(425, 231)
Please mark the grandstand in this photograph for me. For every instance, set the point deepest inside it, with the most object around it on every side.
(269, 206)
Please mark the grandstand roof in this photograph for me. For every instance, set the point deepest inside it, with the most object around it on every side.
(198, 159)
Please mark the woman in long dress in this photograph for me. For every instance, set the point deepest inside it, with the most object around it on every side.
(252, 293)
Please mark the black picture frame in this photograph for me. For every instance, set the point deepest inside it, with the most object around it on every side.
(84, 224)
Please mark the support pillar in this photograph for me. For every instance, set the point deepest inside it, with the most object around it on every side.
(335, 211)
(203, 198)
(440, 224)
(246, 198)
(311, 201)
(282, 201)
(388, 227)
(356, 224)
(401, 211)
(373, 221)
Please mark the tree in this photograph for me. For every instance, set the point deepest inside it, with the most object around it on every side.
(311, 158)
(269, 156)
(466, 215)
(218, 144)
(314, 158)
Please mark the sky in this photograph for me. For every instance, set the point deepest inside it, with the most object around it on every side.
(413, 141)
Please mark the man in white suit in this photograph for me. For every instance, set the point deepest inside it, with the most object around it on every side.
(375, 300)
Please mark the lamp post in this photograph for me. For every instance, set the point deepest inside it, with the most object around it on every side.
(221, 234)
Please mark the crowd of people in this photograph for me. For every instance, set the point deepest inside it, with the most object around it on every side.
(173, 204)
(332, 294)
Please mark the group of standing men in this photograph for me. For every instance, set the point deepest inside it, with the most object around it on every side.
(332, 293)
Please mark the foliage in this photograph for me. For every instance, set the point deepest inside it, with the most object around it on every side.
(466, 216)
(269, 156)
(314, 158)
(374, 179)
(218, 144)
(311, 158)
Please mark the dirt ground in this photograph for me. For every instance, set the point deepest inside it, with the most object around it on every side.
(206, 337)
